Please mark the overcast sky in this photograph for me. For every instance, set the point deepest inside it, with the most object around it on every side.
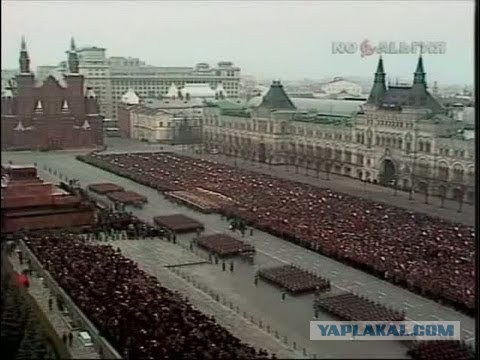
(286, 40)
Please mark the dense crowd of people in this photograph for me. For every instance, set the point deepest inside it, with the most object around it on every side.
(351, 307)
(441, 350)
(294, 279)
(140, 318)
(431, 256)
(223, 245)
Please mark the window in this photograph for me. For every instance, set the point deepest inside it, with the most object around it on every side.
(427, 148)
(359, 159)
(338, 154)
(408, 147)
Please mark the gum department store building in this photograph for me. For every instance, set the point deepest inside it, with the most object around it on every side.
(402, 136)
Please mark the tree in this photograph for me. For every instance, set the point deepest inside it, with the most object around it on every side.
(33, 345)
(395, 187)
(328, 169)
(442, 194)
(460, 195)
(410, 191)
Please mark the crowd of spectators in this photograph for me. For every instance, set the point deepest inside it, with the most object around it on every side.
(139, 317)
(441, 350)
(294, 279)
(223, 245)
(351, 307)
(431, 256)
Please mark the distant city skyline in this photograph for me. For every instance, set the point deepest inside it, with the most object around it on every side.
(284, 40)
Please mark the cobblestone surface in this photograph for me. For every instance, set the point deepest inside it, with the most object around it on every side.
(236, 324)
(162, 252)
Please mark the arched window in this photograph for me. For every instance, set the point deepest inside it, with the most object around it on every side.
(427, 147)
(443, 171)
(420, 146)
(458, 173)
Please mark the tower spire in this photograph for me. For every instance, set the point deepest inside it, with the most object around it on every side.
(380, 65)
(24, 59)
(73, 62)
(379, 88)
(419, 75)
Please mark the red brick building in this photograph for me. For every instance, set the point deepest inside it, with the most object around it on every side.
(29, 203)
(58, 113)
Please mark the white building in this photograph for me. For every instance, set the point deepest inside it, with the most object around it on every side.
(340, 86)
(169, 120)
(112, 77)
(198, 91)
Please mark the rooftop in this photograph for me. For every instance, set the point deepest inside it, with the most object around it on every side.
(276, 98)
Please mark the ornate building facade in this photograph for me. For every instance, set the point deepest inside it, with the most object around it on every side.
(401, 137)
(57, 113)
(171, 120)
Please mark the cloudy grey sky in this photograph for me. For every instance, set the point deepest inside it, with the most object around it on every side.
(287, 40)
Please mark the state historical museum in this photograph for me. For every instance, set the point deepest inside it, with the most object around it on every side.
(57, 113)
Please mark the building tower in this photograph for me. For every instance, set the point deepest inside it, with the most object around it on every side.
(73, 62)
(25, 81)
(419, 77)
(379, 88)
(24, 58)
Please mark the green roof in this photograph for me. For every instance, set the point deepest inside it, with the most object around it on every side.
(277, 99)
(235, 112)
